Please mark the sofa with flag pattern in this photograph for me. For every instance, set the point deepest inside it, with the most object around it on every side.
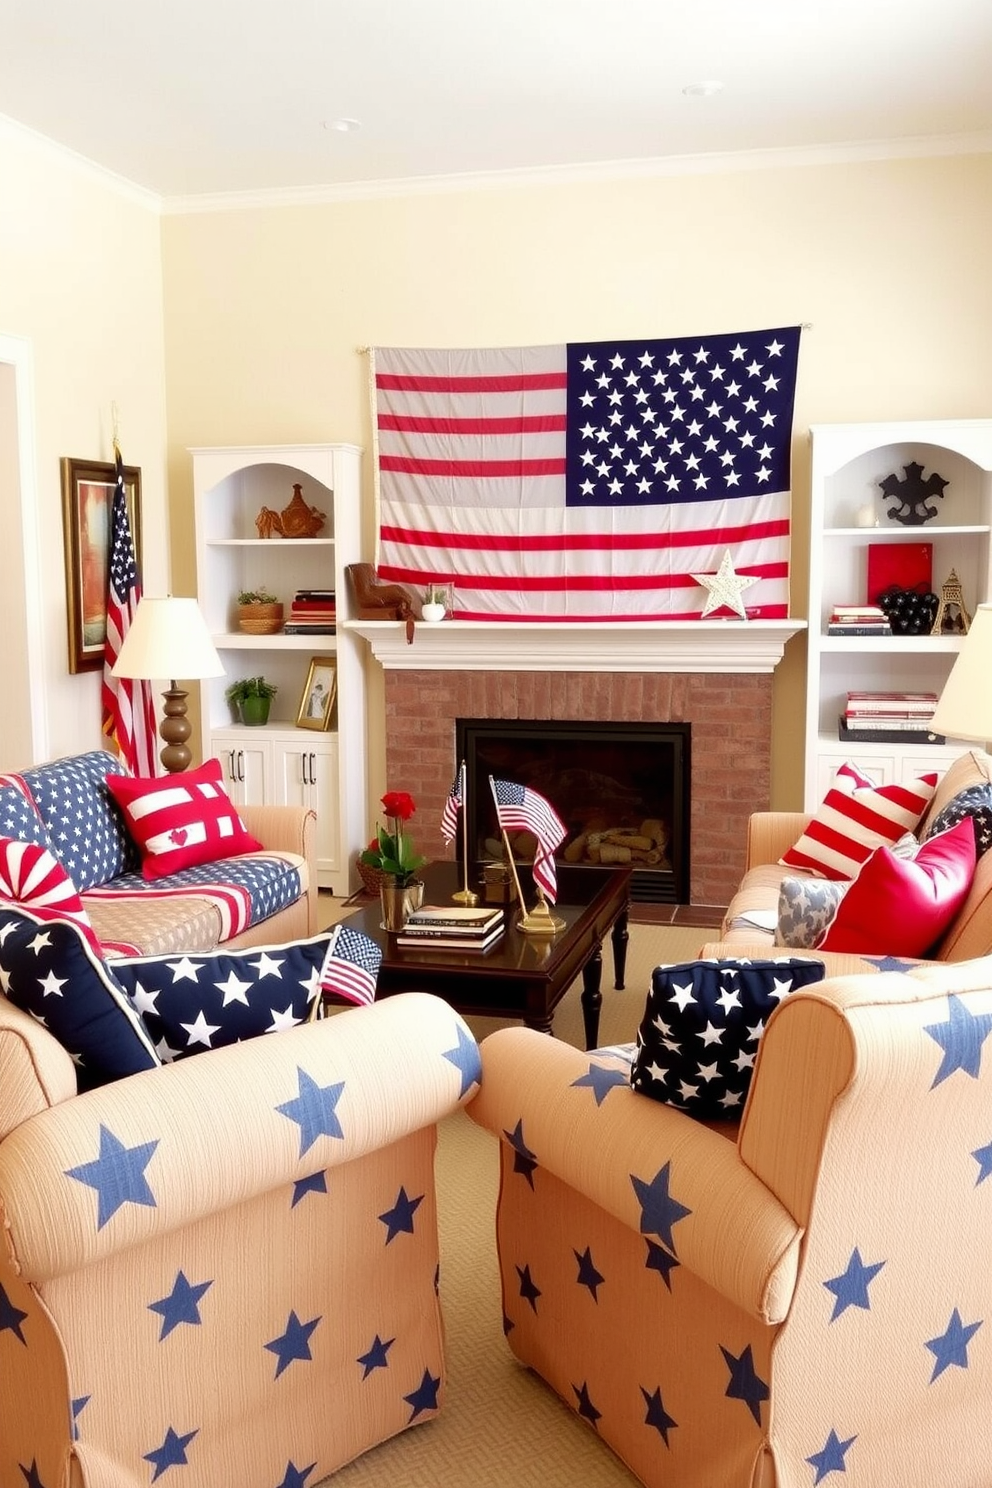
(164, 865)
(802, 1298)
(228, 1265)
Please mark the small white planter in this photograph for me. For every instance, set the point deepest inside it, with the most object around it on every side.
(432, 613)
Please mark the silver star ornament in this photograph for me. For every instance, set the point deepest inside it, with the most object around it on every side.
(725, 587)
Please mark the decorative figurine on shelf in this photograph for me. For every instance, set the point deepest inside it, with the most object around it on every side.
(951, 618)
(295, 520)
(910, 612)
(375, 601)
(914, 495)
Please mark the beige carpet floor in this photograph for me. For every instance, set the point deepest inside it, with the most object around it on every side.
(500, 1426)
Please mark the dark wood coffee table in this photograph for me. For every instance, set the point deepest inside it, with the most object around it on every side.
(521, 976)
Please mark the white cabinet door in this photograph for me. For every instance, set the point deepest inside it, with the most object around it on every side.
(304, 771)
(246, 760)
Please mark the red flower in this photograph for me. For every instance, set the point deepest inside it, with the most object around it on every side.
(399, 804)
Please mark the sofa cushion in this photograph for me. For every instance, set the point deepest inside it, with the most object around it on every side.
(855, 817)
(85, 829)
(31, 877)
(699, 1035)
(974, 801)
(192, 1003)
(900, 907)
(49, 969)
(178, 821)
(19, 817)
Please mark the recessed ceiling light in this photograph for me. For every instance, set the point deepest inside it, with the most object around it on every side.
(344, 126)
(702, 90)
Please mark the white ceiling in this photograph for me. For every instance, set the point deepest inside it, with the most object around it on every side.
(194, 97)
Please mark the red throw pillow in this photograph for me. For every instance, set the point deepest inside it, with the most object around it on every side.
(855, 817)
(900, 907)
(180, 820)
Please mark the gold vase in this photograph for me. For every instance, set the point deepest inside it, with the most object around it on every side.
(399, 901)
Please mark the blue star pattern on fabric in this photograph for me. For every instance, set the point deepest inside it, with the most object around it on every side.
(78, 1406)
(585, 1406)
(524, 1161)
(268, 883)
(296, 1477)
(831, 1456)
(528, 1289)
(399, 1219)
(983, 1157)
(659, 1210)
(850, 1289)
(32, 1476)
(424, 1397)
(172, 1452)
(117, 1175)
(19, 817)
(601, 1081)
(375, 1356)
(697, 1041)
(466, 1059)
(11, 1317)
(961, 1039)
(661, 1260)
(951, 1347)
(87, 831)
(315, 1183)
(656, 1415)
(588, 1275)
(313, 1109)
(890, 963)
(181, 1305)
(294, 1344)
(744, 1382)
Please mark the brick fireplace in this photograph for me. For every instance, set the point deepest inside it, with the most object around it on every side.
(717, 678)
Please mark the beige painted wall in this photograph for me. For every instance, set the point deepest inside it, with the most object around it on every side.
(886, 261)
(81, 281)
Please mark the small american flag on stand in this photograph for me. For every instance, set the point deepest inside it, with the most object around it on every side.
(128, 706)
(351, 966)
(452, 806)
(519, 809)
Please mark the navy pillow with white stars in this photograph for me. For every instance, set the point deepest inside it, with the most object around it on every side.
(698, 1038)
(18, 818)
(189, 1003)
(974, 801)
(86, 829)
(48, 969)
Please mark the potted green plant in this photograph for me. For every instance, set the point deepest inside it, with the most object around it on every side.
(259, 612)
(252, 698)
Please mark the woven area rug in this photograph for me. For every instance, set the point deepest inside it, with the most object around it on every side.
(500, 1426)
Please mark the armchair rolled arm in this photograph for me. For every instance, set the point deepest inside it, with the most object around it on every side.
(771, 833)
(212, 1131)
(734, 1235)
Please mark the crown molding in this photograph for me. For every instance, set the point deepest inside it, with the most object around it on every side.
(726, 162)
(61, 155)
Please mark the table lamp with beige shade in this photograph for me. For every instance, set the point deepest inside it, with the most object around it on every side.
(965, 707)
(169, 638)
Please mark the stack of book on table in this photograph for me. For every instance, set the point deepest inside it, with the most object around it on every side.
(312, 612)
(452, 927)
(858, 620)
(889, 718)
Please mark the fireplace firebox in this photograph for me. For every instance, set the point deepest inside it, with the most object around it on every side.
(621, 789)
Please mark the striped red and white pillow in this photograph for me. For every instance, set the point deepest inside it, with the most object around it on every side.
(180, 820)
(855, 818)
(33, 878)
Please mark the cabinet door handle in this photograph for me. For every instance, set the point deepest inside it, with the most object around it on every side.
(303, 769)
(313, 769)
(230, 764)
(241, 765)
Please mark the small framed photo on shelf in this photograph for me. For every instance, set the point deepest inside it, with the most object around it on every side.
(319, 694)
(87, 499)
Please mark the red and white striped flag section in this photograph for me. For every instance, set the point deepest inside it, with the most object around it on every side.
(519, 809)
(351, 966)
(588, 481)
(128, 705)
(452, 806)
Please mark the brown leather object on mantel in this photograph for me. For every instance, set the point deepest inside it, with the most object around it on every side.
(375, 601)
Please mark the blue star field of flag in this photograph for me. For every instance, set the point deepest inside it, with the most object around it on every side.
(701, 419)
(86, 831)
(549, 1261)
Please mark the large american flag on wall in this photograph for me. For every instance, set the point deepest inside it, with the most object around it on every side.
(588, 481)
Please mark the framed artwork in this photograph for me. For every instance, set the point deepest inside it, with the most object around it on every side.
(319, 694)
(87, 498)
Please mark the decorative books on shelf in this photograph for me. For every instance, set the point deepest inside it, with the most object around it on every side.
(858, 620)
(313, 612)
(889, 718)
(452, 927)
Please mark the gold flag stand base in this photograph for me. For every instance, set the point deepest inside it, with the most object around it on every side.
(539, 920)
(465, 896)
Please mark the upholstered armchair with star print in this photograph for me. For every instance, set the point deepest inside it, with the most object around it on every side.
(803, 1299)
(227, 1265)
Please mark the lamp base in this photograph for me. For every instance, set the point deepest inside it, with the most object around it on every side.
(175, 729)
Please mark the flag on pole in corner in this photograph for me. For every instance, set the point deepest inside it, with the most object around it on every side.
(128, 706)
(519, 809)
(351, 966)
(452, 806)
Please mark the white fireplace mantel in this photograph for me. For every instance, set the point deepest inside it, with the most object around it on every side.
(609, 646)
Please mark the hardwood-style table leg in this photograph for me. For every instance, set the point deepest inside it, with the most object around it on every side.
(592, 997)
(620, 936)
